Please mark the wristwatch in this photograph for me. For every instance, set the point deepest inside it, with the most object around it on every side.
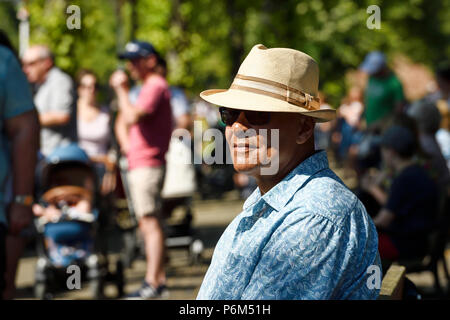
(26, 200)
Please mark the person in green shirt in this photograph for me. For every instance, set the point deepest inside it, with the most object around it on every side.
(384, 93)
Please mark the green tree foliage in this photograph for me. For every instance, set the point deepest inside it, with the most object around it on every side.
(204, 41)
(8, 22)
(93, 46)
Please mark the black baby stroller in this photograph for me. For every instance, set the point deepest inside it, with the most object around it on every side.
(67, 223)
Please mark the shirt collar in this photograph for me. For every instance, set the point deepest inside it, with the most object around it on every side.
(280, 194)
(252, 199)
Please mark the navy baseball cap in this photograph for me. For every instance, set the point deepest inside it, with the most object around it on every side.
(137, 49)
(373, 62)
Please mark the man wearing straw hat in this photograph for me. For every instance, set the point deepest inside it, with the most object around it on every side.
(302, 234)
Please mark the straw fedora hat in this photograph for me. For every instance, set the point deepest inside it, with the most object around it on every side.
(276, 80)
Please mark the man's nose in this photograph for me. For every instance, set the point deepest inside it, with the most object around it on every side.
(240, 125)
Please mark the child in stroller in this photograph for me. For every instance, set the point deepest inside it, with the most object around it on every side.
(67, 220)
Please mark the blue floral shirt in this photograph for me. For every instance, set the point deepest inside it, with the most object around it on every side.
(309, 237)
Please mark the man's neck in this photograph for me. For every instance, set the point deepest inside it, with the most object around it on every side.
(148, 76)
(402, 164)
(44, 77)
(267, 182)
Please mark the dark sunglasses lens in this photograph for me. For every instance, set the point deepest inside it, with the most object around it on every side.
(257, 118)
(228, 116)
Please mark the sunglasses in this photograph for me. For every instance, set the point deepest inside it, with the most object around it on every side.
(256, 118)
(31, 63)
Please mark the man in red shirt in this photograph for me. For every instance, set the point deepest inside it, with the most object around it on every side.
(150, 125)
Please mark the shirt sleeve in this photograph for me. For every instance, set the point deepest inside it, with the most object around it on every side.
(62, 97)
(18, 96)
(310, 259)
(150, 96)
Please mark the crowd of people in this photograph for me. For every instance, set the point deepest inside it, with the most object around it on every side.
(400, 151)
(46, 115)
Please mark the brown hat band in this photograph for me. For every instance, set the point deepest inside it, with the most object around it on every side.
(275, 90)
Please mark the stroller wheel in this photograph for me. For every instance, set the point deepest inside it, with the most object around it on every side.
(195, 251)
(97, 286)
(130, 248)
(41, 291)
(119, 278)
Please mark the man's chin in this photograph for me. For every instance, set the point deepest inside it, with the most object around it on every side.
(247, 169)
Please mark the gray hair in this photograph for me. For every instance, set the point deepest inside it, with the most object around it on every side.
(43, 52)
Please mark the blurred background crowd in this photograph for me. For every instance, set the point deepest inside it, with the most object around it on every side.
(390, 87)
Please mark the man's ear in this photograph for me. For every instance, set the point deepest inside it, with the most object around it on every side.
(48, 63)
(305, 130)
(152, 62)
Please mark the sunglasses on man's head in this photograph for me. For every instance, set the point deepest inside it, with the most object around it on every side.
(256, 118)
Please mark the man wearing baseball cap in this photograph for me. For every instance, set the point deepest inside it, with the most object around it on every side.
(149, 123)
(302, 234)
(384, 93)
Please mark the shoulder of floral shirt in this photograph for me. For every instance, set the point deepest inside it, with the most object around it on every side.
(313, 184)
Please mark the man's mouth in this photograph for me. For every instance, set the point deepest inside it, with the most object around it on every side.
(243, 147)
